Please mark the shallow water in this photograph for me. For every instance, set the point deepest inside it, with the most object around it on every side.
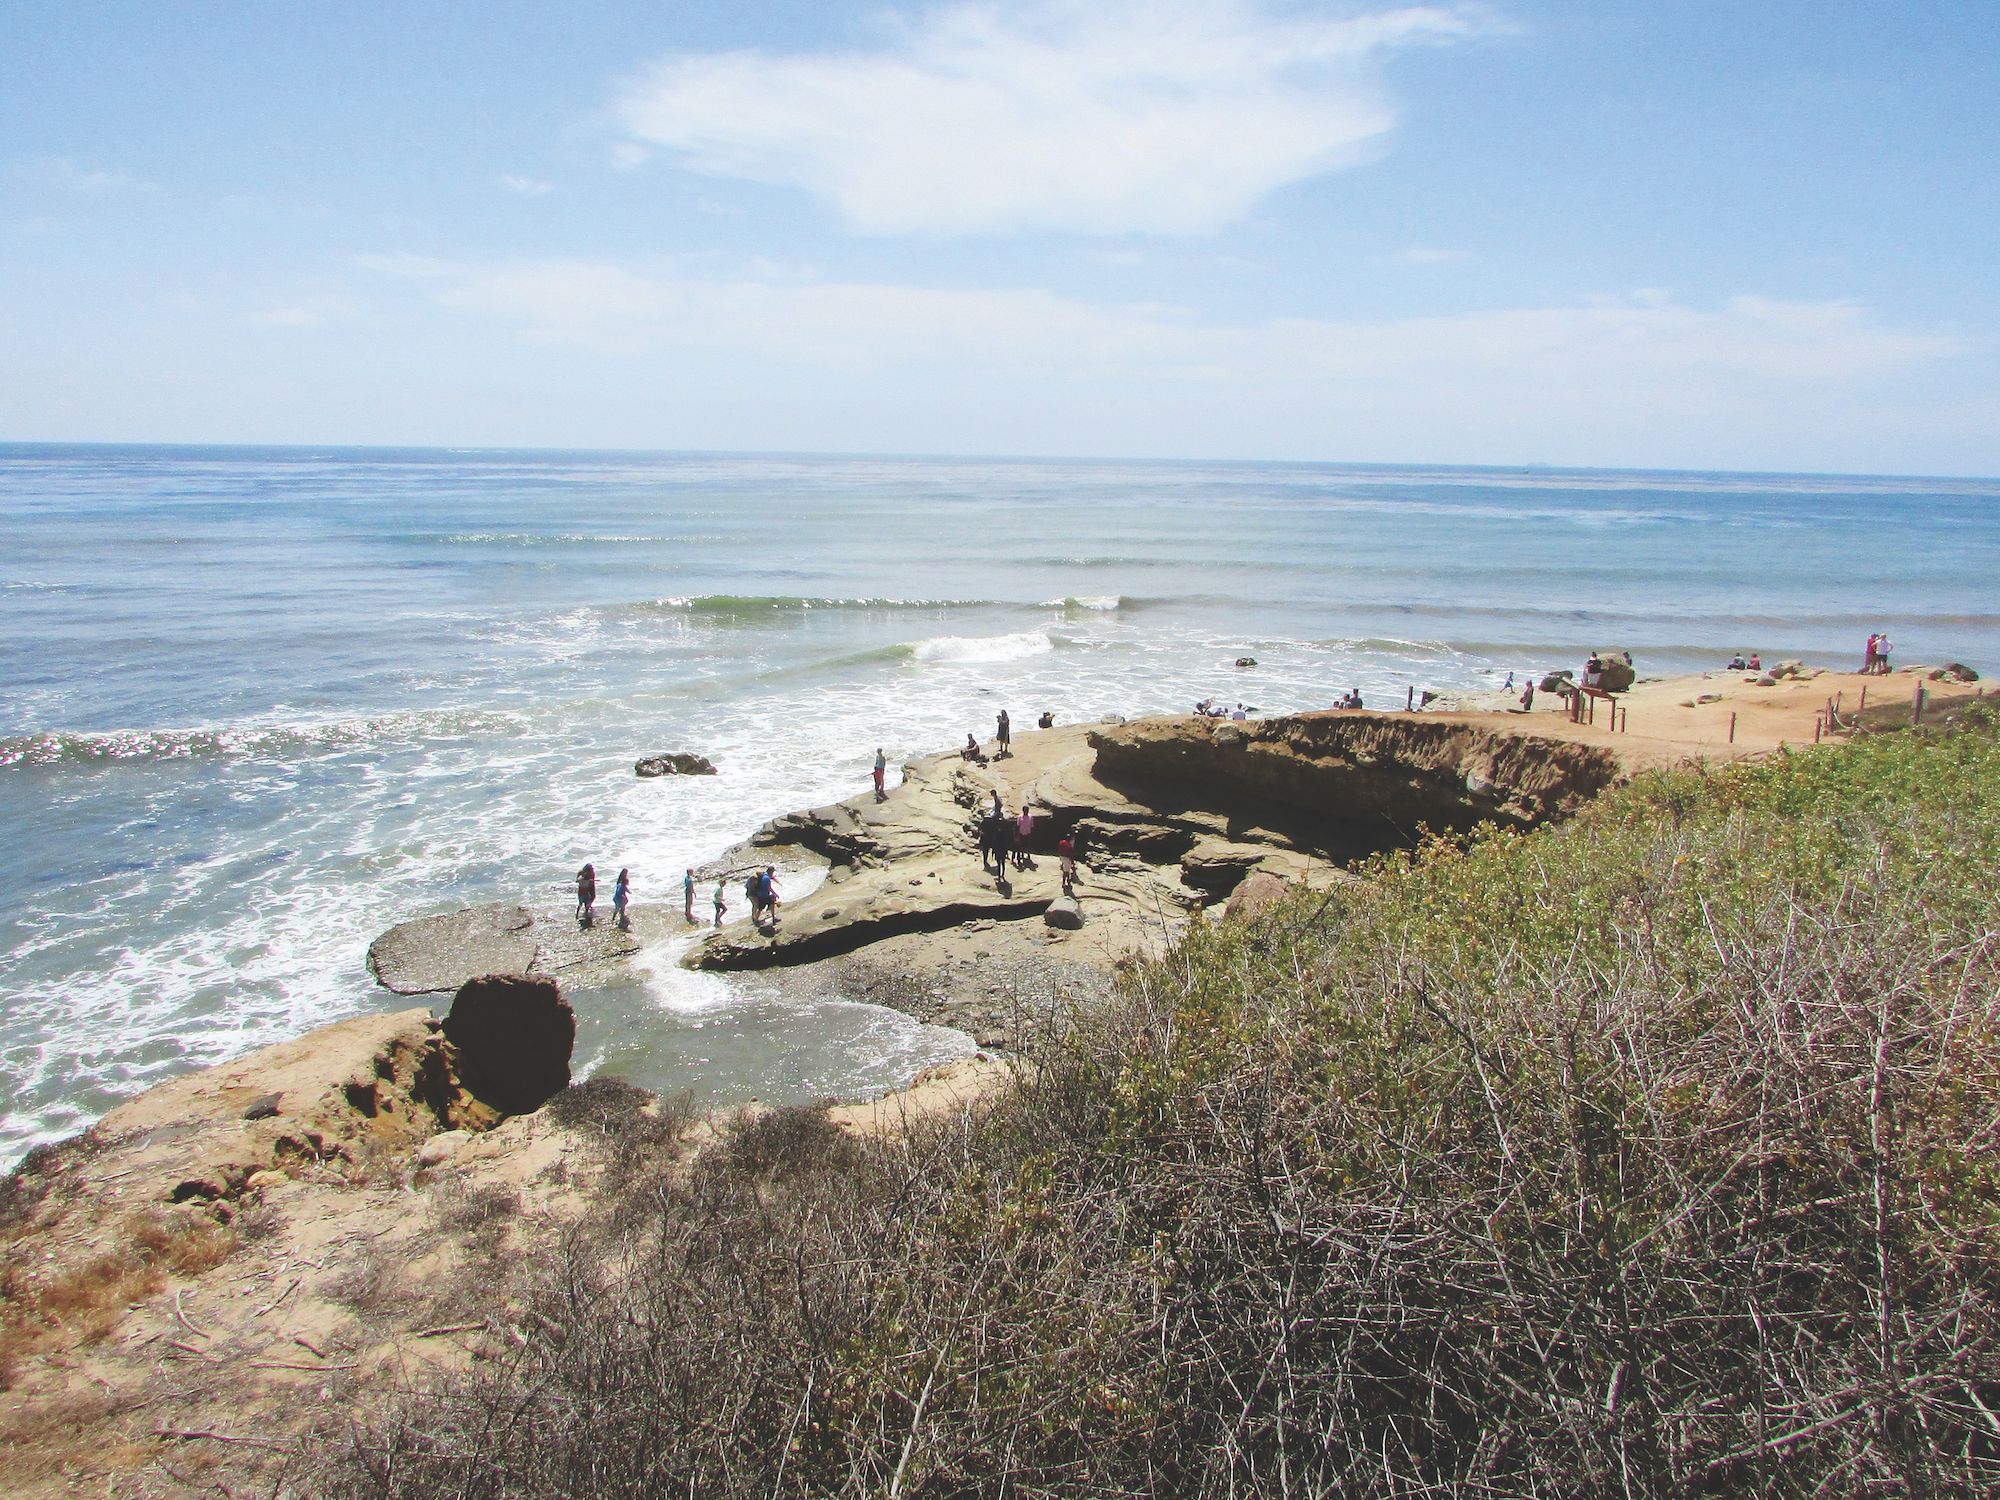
(258, 705)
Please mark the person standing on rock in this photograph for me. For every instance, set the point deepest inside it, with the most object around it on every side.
(586, 896)
(1003, 734)
(881, 770)
(687, 890)
(1066, 858)
(720, 883)
(1024, 830)
(770, 892)
(621, 899)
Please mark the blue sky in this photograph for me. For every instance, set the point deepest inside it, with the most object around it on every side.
(1684, 234)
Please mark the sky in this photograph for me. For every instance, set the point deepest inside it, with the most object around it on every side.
(1624, 233)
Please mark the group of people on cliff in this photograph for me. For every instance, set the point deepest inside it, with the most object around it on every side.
(1008, 838)
(1003, 743)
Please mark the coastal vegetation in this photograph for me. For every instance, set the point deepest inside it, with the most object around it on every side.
(1655, 1152)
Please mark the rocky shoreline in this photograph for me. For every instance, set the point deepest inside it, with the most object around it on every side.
(241, 1253)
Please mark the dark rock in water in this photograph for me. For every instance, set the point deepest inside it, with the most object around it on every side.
(264, 1108)
(676, 764)
(514, 1037)
(1954, 671)
(1259, 891)
(1246, 661)
(1064, 912)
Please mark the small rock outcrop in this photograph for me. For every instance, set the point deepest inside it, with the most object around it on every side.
(676, 763)
(1258, 893)
(1246, 661)
(1063, 912)
(435, 955)
(513, 1038)
(1953, 671)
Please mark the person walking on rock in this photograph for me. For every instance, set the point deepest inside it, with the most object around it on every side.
(720, 883)
(621, 899)
(586, 896)
(881, 769)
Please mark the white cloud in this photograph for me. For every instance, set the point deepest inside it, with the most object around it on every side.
(1095, 116)
(527, 187)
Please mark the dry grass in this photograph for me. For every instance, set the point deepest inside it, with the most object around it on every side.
(82, 1304)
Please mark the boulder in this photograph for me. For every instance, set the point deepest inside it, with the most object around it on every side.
(1246, 661)
(1617, 674)
(1560, 681)
(675, 764)
(513, 1037)
(1259, 891)
(1954, 671)
(1708, 698)
(1064, 912)
(1769, 679)
(1789, 669)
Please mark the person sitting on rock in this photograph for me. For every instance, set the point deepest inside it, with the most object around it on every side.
(972, 752)
(1046, 721)
(1756, 663)
(1737, 663)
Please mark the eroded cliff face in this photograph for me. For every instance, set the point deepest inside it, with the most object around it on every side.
(1169, 815)
(1342, 784)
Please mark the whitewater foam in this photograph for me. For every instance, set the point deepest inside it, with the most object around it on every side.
(963, 649)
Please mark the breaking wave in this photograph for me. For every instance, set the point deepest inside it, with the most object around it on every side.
(758, 606)
(59, 747)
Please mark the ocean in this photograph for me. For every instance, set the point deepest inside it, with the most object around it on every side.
(258, 705)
